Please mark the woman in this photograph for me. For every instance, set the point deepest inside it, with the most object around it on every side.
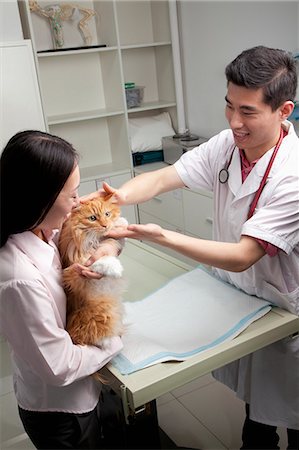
(56, 395)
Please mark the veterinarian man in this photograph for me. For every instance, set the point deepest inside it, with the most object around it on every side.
(252, 170)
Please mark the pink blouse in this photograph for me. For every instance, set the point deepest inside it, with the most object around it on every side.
(50, 373)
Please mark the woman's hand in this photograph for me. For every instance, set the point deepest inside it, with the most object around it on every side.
(109, 247)
(84, 271)
(149, 232)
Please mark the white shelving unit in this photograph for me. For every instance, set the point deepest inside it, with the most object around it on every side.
(83, 89)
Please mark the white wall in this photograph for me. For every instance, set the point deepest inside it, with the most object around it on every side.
(213, 33)
(10, 25)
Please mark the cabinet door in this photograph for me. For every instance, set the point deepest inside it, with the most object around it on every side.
(148, 218)
(167, 207)
(87, 187)
(198, 213)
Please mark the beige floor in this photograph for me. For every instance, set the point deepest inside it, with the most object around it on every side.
(203, 415)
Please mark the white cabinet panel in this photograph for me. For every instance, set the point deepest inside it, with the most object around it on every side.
(10, 25)
(198, 213)
(21, 106)
(167, 207)
(86, 187)
(148, 218)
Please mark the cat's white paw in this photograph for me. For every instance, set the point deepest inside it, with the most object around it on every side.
(109, 266)
(104, 343)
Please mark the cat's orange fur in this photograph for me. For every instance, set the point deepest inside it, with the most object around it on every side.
(94, 309)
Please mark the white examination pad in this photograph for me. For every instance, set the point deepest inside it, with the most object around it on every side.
(190, 314)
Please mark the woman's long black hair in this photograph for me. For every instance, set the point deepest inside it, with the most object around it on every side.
(34, 167)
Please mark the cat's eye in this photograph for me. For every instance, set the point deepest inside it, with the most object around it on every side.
(92, 218)
(107, 213)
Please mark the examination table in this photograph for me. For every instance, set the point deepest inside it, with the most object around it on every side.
(133, 396)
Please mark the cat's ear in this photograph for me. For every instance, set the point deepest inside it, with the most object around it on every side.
(107, 197)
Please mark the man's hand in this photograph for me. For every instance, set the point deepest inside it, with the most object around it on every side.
(117, 196)
(149, 232)
(103, 192)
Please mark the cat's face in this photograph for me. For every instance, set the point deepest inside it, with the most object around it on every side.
(96, 215)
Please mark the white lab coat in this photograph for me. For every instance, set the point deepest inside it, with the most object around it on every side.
(269, 378)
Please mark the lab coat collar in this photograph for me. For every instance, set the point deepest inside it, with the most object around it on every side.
(235, 178)
(253, 180)
(40, 253)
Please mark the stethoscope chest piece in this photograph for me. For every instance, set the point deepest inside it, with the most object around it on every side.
(223, 175)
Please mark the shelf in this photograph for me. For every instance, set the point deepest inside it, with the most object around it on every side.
(149, 167)
(82, 81)
(83, 115)
(75, 52)
(102, 27)
(103, 170)
(98, 141)
(145, 45)
(152, 105)
(151, 67)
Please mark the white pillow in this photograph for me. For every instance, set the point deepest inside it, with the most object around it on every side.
(146, 132)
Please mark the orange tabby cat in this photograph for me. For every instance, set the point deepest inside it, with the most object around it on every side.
(94, 309)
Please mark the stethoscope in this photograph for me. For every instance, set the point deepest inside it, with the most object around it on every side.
(224, 174)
